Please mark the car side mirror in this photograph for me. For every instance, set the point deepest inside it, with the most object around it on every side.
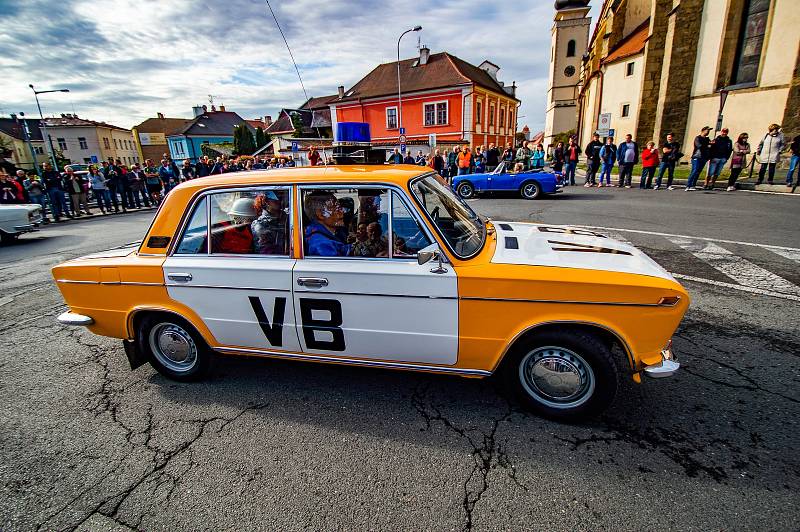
(429, 253)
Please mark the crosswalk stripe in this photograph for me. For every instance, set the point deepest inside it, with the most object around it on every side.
(787, 253)
(737, 268)
(739, 287)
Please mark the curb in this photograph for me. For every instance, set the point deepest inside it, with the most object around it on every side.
(97, 215)
(721, 184)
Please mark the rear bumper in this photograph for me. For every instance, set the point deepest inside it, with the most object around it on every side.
(77, 320)
(667, 367)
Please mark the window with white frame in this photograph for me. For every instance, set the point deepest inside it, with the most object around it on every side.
(62, 144)
(82, 142)
(629, 69)
(391, 118)
(435, 113)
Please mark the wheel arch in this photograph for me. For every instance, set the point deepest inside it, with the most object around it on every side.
(136, 316)
(531, 180)
(605, 333)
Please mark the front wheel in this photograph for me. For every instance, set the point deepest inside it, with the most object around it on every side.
(7, 238)
(465, 190)
(530, 190)
(563, 375)
(174, 348)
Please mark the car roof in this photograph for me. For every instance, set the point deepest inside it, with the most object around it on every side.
(398, 174)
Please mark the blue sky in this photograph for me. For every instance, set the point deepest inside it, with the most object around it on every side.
(124, 61)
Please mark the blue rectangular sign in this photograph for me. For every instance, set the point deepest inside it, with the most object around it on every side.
(94, 158)
(402, 131)
(295, 148)
(402, 148)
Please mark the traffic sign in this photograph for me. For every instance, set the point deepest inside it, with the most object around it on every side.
(402, 139)
(603, 124)
(719, 123)
(402, 148)
(402, 131)
(94, 159)
(611, 132)
(295, 147)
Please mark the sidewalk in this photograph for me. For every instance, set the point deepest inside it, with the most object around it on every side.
(96, 215)
(722, 184)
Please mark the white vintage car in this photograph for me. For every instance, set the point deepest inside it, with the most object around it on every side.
(18, 219)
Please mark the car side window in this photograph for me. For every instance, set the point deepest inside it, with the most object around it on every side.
(407, 235)
(345, 222)
(194, 239)
(250, 222)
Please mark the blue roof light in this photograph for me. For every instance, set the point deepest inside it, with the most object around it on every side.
(353, 133)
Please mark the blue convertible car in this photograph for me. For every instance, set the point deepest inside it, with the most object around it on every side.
(531, 185)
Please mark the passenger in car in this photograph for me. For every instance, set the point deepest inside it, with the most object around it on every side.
(236, 236)
(376, 240)
(326, 218)
(271, 226)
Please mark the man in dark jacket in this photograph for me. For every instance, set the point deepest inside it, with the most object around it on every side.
(628, 156)
(670, 153)
(492, 158)
(592, 152)
(409, 159)
(111, 173)
(700, 156)
(203, 166)
(438, 162)
(396, 157)
(55, 192)
(721, 150)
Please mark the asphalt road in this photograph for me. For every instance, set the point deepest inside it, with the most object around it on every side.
(86, 443)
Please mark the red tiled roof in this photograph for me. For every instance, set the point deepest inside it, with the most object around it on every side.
(631, 45)
(167, 126)
(320, 102)
(442, 70)
(74, 121)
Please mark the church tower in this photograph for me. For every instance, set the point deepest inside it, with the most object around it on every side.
(570, 37)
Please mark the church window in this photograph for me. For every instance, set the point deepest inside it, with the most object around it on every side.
(571, 48)
(751, 41)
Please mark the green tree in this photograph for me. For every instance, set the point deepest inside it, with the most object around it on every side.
(261, 138)
(243, 142)
(563, 137)
(297, 123)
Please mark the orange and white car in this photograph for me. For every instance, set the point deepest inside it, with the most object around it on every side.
(379, 266)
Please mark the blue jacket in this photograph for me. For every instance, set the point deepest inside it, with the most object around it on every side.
(537, 160)
(608, 153)
(624, 147)
(322, 243)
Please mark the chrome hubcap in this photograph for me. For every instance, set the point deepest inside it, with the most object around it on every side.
(530, 190)
(173, 347)
(465, 190)
(557, 377)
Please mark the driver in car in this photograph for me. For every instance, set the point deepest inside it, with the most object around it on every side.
(327, 221)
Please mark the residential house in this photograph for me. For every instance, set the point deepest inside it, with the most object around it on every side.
(658, 67)
(88, 141)
(12, 137)
(444, 99)
(314, 122)
(207, 127)
(151, 135)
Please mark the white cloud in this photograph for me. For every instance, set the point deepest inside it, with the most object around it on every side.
(126, 60)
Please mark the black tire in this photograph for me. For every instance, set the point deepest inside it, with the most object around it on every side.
(530, 190)
(576, 362)
(190, 358)
(8, 238)
(465, 190)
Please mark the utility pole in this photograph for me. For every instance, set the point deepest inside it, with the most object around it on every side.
(47, 139)
(27, 134)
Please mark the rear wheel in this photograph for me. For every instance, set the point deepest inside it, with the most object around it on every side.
(530, 190)
(7, 238)
(563, 375)
(465, 190)
(174, 348)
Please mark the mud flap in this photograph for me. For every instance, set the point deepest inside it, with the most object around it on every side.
(135, 357)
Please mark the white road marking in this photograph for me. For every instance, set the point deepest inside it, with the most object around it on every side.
(769, 192)
(737, 268)
(736, 287)
(788, 254)
(723, 241)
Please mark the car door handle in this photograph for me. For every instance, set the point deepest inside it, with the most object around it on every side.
(312, 282)
(180, 277)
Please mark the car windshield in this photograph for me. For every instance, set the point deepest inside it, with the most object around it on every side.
(456, 222)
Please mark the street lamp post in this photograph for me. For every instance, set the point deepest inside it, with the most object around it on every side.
(27, 134)
(399, 97)
(48, 140)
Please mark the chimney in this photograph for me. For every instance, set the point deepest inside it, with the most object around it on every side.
(160, 115)
(197, 111)
(341, 91)
(268, 120)
(63, 115)
(512, 90)
(205, 108)
(221, 108)
(490, 68)
(213, 108)
(424, 54)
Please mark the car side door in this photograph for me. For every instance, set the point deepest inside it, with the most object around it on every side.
(236, 271)
(359, 290)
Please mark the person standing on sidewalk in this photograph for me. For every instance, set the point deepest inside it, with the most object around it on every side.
(153, 181)
(77, 188)
(36, 193)
(592, 160)
(558, 158)
(492, 158)
(21, 178)
(124, 184)
(438, 162)
(700, 155)
(138, 181)
(101, 194)
(168, 176)
(203, 168)
(508, 157)
(112, 182)
(649, 163)
(608, 155)
(628, 156)
(464, 161)
(739, 160)
(794, 163)
(671, 152)
(188, 172)
(721, 149)
(54, 186)
(571, 157)
(769, 151)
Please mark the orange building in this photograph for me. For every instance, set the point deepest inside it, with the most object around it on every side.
(441, 94)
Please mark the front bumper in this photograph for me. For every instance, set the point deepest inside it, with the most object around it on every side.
(78, 320)
(667, 367)
(27, 228)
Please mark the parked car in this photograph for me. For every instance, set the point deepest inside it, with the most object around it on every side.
(531, 184)
(380, 266)
(18, 219)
